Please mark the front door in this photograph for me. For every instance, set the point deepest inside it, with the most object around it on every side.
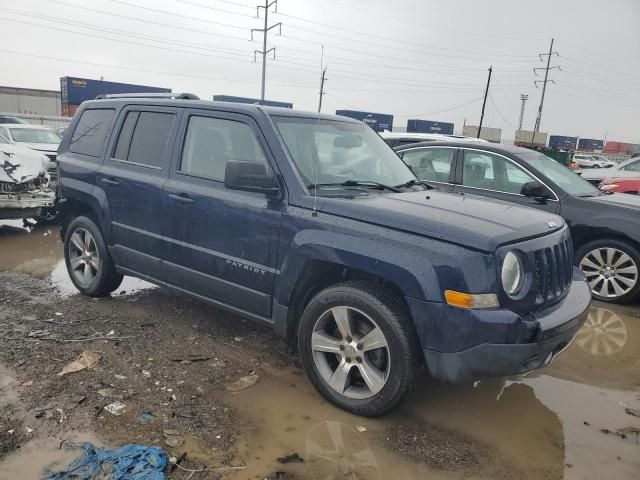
(496, 176)
(219, 243)
(136, 167)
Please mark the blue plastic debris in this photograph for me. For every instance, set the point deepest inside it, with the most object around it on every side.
(130, 462)
(145, 417)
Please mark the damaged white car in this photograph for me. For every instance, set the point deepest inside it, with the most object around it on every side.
(25, 190)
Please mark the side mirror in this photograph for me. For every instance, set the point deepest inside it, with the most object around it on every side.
(249, 176)
(535, 189)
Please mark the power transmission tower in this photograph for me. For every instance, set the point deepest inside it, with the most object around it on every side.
(544, 82)
(484, 102)
(265, 30)
(524, 99)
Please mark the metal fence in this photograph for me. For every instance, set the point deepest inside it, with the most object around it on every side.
(49, 120)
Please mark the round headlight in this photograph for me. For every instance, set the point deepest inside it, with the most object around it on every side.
(512, 274)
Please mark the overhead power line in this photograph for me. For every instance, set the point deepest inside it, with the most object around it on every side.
(146, 70)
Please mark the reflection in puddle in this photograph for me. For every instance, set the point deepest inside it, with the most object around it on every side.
(334, 450)
(38, 251)
(604, 333)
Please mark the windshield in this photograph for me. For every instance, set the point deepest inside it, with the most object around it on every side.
(34, 135)
(329, 152)
(563, 177)
(3, 140)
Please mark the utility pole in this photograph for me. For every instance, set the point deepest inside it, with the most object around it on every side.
(524, 99)
(265, 30)
(484, 102)
(323, 69)
(544, 82)
(322, 80)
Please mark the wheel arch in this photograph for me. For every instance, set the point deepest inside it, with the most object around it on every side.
(308, 269)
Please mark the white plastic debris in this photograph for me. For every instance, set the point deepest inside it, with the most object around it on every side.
(58, 313)
(146, 373)
(120, 377)
(361, 428)
(116, 408)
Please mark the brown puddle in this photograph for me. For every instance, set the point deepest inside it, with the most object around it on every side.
(42, 454)
(38, 251)
(545, 425)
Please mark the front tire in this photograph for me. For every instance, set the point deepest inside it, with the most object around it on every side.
(88, 261)
(612, 269)
(358, 347)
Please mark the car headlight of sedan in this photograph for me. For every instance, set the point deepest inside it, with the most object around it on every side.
(512, 274)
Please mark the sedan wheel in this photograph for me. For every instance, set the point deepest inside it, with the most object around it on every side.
(611, 272)
(350, 352)
(84, 258)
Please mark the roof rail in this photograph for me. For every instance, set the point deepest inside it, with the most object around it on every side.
(179, 96)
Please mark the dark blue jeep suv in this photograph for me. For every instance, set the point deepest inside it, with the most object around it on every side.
(311, 224)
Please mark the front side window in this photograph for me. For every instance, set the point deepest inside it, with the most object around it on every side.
(632, 167)
(329, 153)
(91, 131)
(430, 164)
(144, 137)
(211, 142)
(492, 172)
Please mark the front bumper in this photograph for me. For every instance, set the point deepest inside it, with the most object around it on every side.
(26, 204)
(507, 343)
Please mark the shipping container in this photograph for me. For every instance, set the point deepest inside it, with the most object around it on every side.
(590, 145)
(74, 91)
(490, 134)
(378, 121)
(253, 101)
(561, 142)
(617, 147)
(527, 138)
(428, 126)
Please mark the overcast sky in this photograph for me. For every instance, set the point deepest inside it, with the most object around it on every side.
(414, 59)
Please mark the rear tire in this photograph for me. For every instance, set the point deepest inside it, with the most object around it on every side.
(89, 264)
(359, 347)
(612, 268)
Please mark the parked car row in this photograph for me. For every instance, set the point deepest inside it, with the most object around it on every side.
(604, 227)
(592, 161)
(312, 225)
(27, 192)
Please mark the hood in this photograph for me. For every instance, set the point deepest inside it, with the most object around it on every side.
(50, 148)
(623, 200)
(469, 220)
(19, 165)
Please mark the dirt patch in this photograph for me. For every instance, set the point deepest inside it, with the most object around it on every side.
(161, 356)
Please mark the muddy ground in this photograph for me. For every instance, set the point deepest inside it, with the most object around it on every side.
(175, 359)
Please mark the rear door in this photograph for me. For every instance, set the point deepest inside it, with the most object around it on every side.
(435, 165)
(132, 177)
(220, 243)
(497, 176)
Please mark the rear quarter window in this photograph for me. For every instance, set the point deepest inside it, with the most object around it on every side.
(91, 131)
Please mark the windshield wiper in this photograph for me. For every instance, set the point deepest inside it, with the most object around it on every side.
(413, 182)
(354, 183)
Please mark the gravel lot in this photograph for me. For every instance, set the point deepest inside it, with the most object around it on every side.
(176, 360)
